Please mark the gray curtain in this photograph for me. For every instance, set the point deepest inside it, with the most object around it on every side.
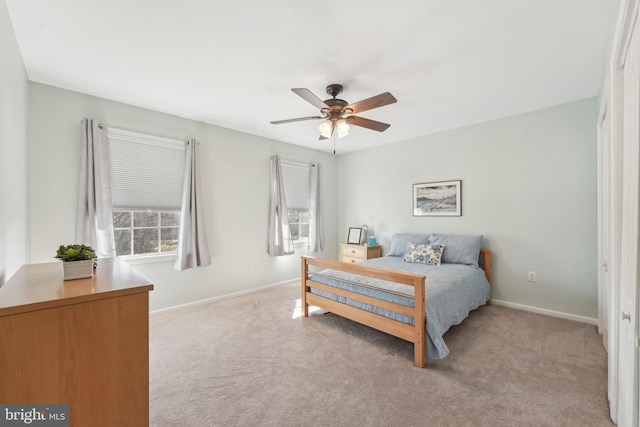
(315, 222)
(193, 250)
(279, 233)
(94, 217)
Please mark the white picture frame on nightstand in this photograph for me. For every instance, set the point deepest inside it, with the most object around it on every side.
(355, 233)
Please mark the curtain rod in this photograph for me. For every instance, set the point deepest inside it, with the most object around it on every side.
(297, 163)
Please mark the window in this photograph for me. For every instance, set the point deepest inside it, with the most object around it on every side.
(147, 176)
(296, 177)
(146, 232)
(299, 225)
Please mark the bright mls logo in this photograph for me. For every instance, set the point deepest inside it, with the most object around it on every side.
(34, 415)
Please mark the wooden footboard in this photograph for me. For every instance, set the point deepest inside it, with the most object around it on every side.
(415, 333)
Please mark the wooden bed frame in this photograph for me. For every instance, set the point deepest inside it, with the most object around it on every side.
(415, 333)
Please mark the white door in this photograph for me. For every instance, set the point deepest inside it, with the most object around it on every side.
(628, 397)
(604, 224)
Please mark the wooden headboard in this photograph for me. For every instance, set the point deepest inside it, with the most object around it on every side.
(485, 263)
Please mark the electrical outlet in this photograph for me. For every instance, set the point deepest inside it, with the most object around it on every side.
(532, 276)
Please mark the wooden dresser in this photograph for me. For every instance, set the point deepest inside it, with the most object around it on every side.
(355, 253)
(82, 342)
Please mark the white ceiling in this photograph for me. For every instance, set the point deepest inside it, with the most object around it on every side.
(232, 63)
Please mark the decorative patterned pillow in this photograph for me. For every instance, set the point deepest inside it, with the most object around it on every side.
(426, 254)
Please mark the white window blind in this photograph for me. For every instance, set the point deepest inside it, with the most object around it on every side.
(147, 172)
(296, 178)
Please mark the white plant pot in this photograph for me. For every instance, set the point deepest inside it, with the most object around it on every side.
(77, 269)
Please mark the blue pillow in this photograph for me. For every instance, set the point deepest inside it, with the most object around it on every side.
(399, 242)
(459, 249)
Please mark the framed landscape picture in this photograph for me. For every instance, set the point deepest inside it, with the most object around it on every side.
(437, 199)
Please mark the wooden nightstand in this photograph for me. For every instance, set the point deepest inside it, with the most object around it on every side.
(355, 253)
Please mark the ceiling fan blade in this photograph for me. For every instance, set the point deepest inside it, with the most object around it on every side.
(367, 123)
(322, 137)
(308, 96)
(299, 119)
(373, 102)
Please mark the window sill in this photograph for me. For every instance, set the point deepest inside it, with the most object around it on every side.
(301, 248)
(148, 259)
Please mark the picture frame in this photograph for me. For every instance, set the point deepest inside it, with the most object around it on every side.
(354, 236)
(437, 198)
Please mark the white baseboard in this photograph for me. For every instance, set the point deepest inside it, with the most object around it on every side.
(221, 297)
(560, 314)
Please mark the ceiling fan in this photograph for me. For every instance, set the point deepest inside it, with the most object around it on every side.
(338, 113)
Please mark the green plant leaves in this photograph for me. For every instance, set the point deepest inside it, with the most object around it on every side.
(75, 252)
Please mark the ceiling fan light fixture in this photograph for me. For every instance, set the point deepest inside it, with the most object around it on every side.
(333, 111)
(326, 129)
(342, 127)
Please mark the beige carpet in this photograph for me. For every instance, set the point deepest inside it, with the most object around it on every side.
(246, 362)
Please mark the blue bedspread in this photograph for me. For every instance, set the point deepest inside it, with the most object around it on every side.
(452, 291)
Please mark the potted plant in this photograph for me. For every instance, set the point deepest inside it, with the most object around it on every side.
(78, 261)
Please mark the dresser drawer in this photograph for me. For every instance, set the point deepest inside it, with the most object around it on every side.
(353, 251)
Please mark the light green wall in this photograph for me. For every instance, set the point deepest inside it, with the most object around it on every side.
(235, 181)
(528, 185)
(13, 152)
